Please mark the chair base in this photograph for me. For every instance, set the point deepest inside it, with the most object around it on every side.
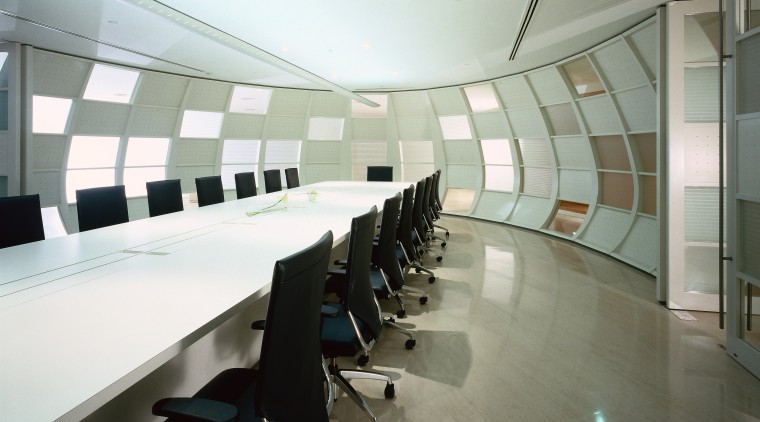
(341, 378)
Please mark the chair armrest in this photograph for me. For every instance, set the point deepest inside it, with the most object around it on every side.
(341, 262)
(337, 271)
(197, 408)
(258, 325)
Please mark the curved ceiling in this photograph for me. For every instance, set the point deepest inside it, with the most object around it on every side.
(387, 46)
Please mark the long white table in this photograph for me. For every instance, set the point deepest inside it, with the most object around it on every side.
(85, 316)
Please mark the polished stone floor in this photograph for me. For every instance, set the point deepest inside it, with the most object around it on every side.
(524, 327)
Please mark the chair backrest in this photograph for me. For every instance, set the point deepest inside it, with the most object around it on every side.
(433, 203)
(20, 220)
(291, 177)
(164, 197)
(290, 383)
(360, 300)
(426, 201)
(101, 207)
(272, 180)
(405, 226)
(209, 190)
(386, 243)
(379, 173)
(418, 218)
(436, 194)
(245, 184)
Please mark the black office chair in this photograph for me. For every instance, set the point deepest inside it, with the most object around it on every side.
(435, 201)
(245, 184)
(419, 223)
(291, 177)
(272, 180)
(209, 190)
(164, 197)
(20, 220)
(379, 173)
(406, 251)
(427, 211)
(356, 322)
(289, 383)
(101, 207)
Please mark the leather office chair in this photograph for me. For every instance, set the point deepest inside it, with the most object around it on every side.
(291, 177)
(272, 180)
(289, 383)
(419, 223)
(356, 323)
(164, 197)
(435, 201)
(20, 220)
(406, 251)
(245, 184)
(427, 211)
(101, 207)
(209, 190)
(379, 173)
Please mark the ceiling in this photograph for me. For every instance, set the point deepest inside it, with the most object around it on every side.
(356, 44)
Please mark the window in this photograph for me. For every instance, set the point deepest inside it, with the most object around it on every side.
(50, 115)
(145, 162)
(497, 161)
(111, 84)
(325, 129)
(250, 100)
(201, 124)
(584, 78)
(92, 162)
(238, 156)
(455, 127)
(481, 98)
(362, 110)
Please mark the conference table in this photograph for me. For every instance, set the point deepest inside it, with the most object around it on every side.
(85, 316)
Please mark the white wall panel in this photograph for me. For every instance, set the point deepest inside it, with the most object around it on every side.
(48, 185)
(153, 121)
(323, 152)
(59, 76)
(527, 123)
(573, 152)
(137, 208)
(639, 109)
(644, 43)
(208, 95)
(639, 245)
(157, 89)
(463, 152)
(607, 228)
(618, 66)
(576, 186)
(549, 86)
(490, 125)
(448, 101)
(416, 151)
(188, 174)
(98, 118)
(537, 181)
(530, 211)
(195, 151)
(535, 152)
(562, 119)
(369, 129)
(328, 104)
(414, 128)
(242, 126)
(514, 92)
(493, 206)
(748, 137)
(48, 151)
(413, 103)
(462, 176)
(321, 172)
(412, 172)
(285, 127)
(600, 115)
(289, 102)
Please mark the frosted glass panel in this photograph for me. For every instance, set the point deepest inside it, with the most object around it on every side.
(240, 151)
(481, 98)
(325, 129)
(135, 178)
(85, 179)
(455, 127)
(49, 115)
(250, 100)
(496, 151)
(111, 84)
(283, 152)
(92, 152)
(500, 178)
(201, 124)
(584, 78)
(365, 154)
(147, 152)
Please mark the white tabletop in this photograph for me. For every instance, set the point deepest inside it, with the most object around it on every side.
(85, 316)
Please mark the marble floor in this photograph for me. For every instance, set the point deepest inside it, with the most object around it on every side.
(524, 327)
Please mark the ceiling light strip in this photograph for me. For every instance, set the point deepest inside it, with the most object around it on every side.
(523, 27)
(84, 37)
(244, 47)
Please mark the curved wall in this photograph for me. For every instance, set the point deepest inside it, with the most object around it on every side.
(570, 149)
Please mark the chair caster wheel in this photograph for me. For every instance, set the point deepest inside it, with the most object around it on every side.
(431, 279)
(363, 360)
(401, 313)
(423, 300)
(417, 270)
(390, 391)
(410, 344)
(439, 258)
(443, 244)
(447, 235)
(391, 319)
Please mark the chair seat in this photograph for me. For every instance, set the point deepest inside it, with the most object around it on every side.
(338, 338)
(378, 283)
